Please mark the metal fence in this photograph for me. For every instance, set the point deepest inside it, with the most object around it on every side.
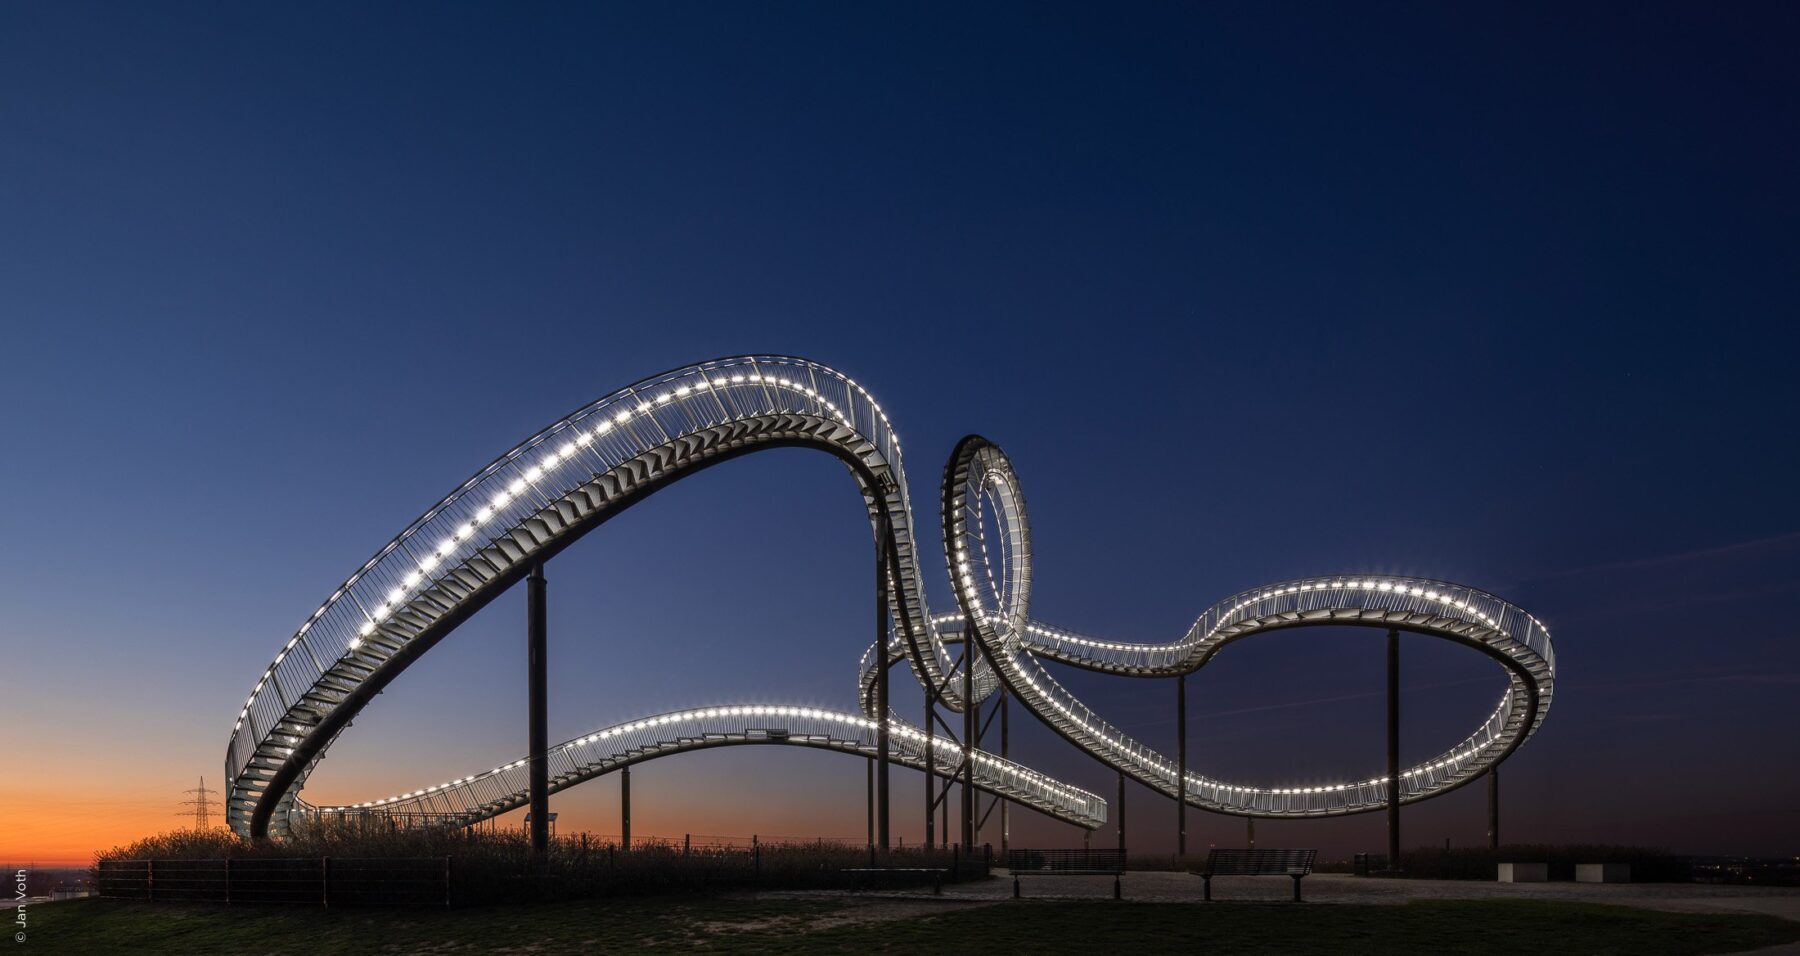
(327, 881)
(1052, 862)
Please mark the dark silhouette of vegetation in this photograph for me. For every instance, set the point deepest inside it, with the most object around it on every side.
(863, 925)
(497, 866)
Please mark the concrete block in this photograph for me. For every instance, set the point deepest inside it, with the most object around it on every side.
(1524, 872)
(1603, 873)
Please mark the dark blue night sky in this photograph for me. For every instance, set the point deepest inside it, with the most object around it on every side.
(1504, 296)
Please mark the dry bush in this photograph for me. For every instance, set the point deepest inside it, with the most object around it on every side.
(490, 866)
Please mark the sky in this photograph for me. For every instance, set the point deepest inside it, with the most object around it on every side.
(1500, 295)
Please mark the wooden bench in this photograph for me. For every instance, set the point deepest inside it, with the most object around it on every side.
(1294, 863)
(1067, 863)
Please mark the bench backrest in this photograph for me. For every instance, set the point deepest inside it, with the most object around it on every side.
(1066, 861)
(1270, 862)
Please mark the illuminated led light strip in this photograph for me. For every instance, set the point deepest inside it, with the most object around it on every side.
(551, 459)
(1448, 602)
(1142, 755)
(1091, 723)
(419, 578)
(1073, 800)
(762, 386)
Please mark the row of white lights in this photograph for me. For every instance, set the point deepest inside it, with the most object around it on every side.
(997, 479)
(1144, 754)
(414, 580)
(1069, 794)
(1401, 588)
(965, 577)
(973, 599)
(701, 386)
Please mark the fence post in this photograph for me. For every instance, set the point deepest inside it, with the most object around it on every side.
(446, 882)
(150, 881)
(325, 881)
(228, 881)
(687, 843)
(757, 847)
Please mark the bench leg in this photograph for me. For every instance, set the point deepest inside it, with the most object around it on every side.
(937, 885)
(1296, 889)
(1118, 891)
(1207, 882)
(1015, 887)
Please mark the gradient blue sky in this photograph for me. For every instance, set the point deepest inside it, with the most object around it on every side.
(1503, 295)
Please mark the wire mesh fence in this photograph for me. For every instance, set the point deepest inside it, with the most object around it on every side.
(327, 881)
(501, 867)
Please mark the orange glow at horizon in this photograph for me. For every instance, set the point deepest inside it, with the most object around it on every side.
(713, 795)
(52, 831)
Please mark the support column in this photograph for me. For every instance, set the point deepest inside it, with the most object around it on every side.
(1005, 823)
(1393, 748)
(944, 811)
(625, 807)
(1181, 766)
(538, 775)
(930, 769)
(1121, 811)
(1494, 808)
(968, 739)
(975, 745)
(882, 535)
(1250, 832)
(871, 781)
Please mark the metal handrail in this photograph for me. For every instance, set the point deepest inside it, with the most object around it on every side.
(549, 489)
(477, 797)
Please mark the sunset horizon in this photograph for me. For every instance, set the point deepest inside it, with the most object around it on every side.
(636, 477)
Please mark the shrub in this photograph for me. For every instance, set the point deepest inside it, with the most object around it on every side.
(493, 866)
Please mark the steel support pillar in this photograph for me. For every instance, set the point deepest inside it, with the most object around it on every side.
(1005, 822)
(944, 820)
(871, 783)
(1181, 766)
(883, 535)
(974, 744)
(1250, 831)
(930, 771)
(538, 775)
(1494, 808)
(1121, 811)
(1393, 748)
(625, 807)
(968, 739)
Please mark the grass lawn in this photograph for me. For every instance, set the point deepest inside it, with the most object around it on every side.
(738, 924)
